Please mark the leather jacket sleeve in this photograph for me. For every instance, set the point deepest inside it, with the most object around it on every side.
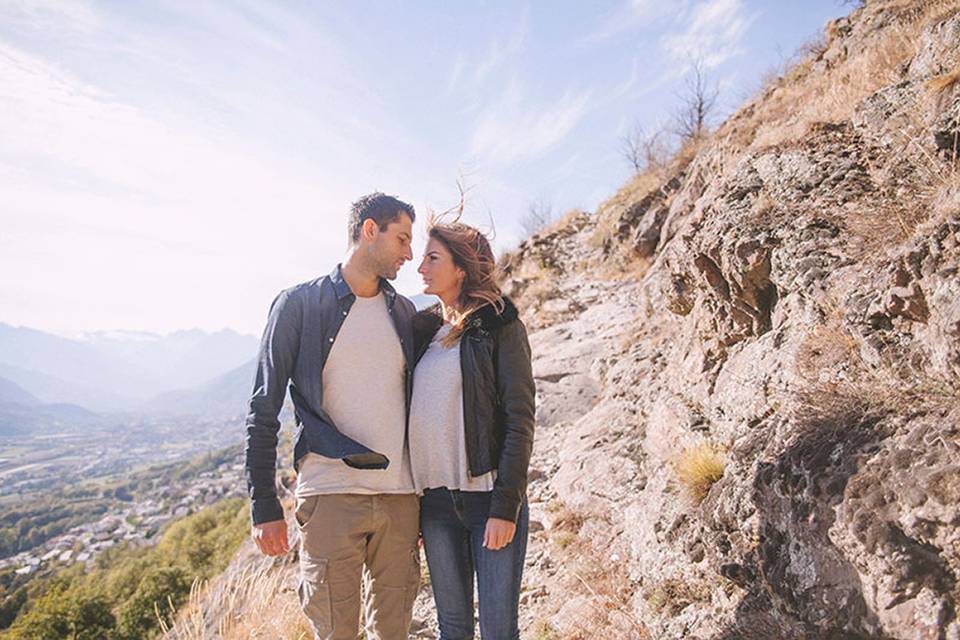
(516, 393)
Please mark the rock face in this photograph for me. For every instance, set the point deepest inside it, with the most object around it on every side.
(787, 293)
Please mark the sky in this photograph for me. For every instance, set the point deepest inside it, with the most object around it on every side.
(172, 165)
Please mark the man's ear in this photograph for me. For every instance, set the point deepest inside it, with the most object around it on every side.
(369, 229)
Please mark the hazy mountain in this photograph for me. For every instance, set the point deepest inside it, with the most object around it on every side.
(422, 300)
(223, 396)
(28, 416)
(51, 389)
(117, 370)
(11, 393)
(16, 419)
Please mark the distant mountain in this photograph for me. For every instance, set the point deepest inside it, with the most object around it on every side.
(51, 389)
(117, 370)
(422, 300)
(18, 419)
(224, 396)
(11, 393)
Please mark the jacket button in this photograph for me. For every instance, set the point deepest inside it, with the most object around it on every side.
(344, 313)
(329, 339)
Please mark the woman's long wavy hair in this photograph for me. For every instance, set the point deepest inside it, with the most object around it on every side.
(471, 252)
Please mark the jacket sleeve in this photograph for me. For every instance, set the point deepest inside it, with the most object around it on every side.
(516, 391)
(275, 364)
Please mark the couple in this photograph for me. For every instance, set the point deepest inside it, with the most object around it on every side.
(408, 424)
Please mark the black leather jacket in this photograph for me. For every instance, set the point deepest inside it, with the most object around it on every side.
(498, 397)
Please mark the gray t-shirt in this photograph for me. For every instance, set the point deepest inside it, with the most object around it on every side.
(363, 392)
(438, 450)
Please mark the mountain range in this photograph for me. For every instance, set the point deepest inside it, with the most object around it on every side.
(113, 371)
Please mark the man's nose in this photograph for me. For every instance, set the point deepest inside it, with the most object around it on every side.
(409, 254)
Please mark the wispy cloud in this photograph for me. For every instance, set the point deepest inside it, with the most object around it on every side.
(501, 51)
(71, 15)
(515, 128)
(631, 15)
(712, 32)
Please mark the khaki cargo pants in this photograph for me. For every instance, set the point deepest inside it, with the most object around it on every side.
(341, 533)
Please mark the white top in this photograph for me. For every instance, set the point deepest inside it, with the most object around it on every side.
(364, 394)
(438, 449)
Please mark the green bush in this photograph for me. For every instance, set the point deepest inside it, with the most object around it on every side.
(159, 590)
(119, 598)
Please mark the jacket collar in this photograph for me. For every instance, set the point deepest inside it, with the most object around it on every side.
(488, 318)
(485, 318)
(343, 289)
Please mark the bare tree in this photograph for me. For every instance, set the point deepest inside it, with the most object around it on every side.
(539, 214)
(698, 102)
(643, 150)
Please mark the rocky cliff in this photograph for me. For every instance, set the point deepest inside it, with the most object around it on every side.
(747, 366)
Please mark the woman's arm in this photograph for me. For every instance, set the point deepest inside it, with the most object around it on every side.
(516, 391)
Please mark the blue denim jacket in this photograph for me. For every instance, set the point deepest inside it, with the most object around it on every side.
(303, 324)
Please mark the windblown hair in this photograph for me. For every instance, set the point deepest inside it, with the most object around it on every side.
(383, 209)
(471, 252)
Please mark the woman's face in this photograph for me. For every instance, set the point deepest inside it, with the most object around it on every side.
(441, 277)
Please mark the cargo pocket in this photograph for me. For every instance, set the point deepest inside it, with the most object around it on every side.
(314, 592)
(304, 511)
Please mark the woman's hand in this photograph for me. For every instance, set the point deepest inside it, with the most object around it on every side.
(498, 533)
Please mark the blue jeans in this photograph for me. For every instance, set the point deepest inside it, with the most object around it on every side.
(452, 523)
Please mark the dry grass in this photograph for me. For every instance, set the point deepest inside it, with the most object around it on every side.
(837, 379)
(944, 82)
(698, 468)
(592, 574)
(543, 630)
(673, 595)
(254, 602)
(611, 613)
(608, 214)
(802, 97)
(641, 185)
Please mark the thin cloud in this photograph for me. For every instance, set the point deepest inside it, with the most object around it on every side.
(630, 16)
(500, 52)
(712, 32)
(515, 129)
(68, 15)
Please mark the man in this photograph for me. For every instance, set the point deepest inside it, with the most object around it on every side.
(344, 344)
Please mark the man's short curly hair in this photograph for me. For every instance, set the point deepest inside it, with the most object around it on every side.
(381, 208)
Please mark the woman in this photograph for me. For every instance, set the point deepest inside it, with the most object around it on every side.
(471, 433)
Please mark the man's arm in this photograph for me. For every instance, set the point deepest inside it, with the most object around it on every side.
(275, 364)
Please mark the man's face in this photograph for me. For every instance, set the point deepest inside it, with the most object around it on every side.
(390, 248)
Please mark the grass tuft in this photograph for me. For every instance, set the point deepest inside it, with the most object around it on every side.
(698, 468)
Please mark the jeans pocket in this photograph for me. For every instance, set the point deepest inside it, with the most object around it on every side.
(314, 593)
(305, 509)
